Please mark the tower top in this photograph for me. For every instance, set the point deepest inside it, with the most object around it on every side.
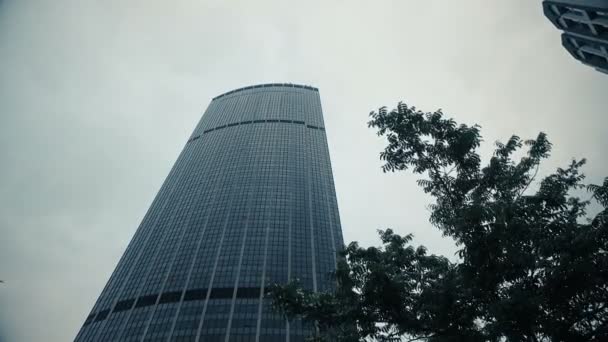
(267, 85)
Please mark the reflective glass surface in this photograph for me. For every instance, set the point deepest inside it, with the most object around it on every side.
(249, 202)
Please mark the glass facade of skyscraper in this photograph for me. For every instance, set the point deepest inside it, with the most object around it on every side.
(249, 202)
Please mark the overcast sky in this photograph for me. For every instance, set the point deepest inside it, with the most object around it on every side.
(97, 98)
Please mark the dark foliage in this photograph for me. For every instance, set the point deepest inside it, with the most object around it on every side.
(533, 265)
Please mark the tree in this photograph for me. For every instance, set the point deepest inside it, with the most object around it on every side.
(533, 266)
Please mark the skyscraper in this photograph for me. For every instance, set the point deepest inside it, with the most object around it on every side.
(249, 202)
(585, 26)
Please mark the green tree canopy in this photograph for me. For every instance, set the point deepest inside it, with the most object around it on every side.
(533, 264)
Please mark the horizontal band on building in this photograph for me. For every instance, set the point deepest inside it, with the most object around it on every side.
(175, 297)
(255, 122)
